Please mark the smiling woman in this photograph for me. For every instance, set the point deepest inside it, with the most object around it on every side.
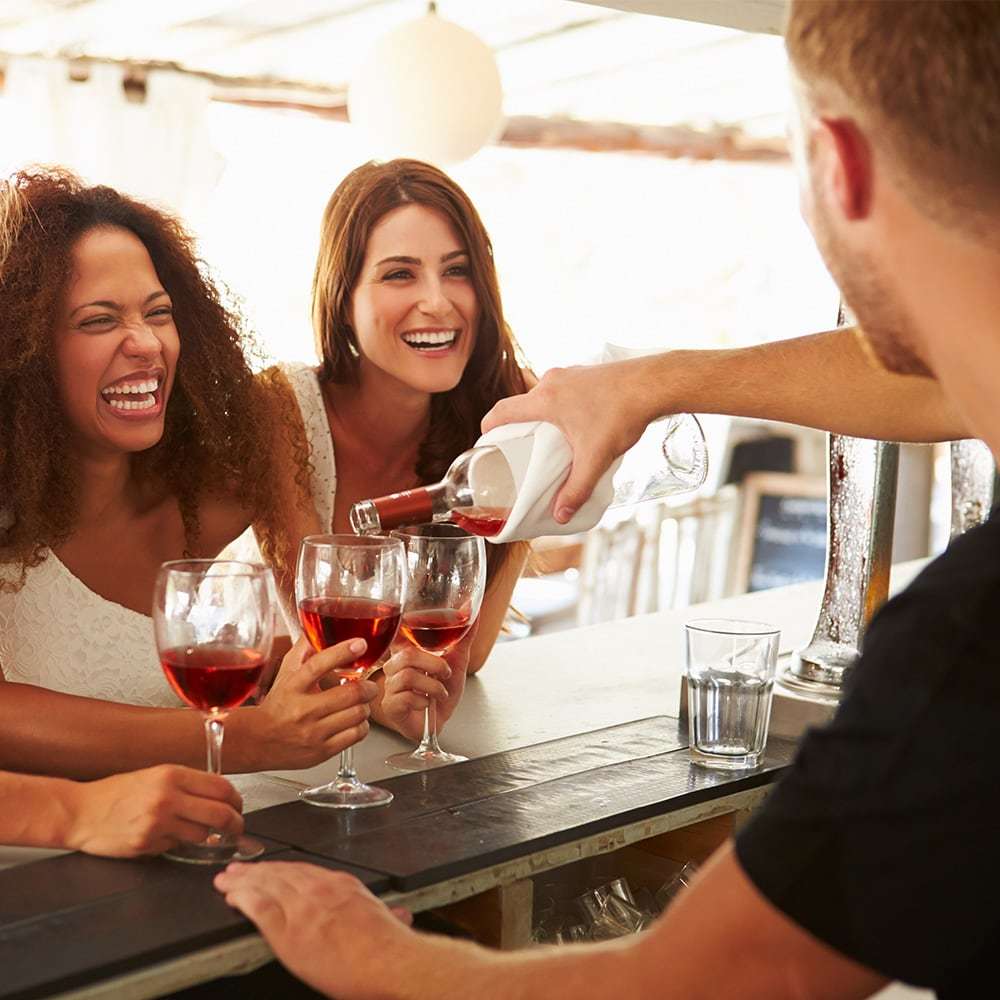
(132, 431)
(115, 357)
(415, 350)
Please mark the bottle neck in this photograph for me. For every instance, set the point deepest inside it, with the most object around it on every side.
(415, 506)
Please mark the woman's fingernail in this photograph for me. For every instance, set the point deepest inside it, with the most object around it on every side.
(358, 646)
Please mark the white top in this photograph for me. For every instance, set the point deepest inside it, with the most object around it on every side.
(56, 633)
(323, 478)
(323, 481)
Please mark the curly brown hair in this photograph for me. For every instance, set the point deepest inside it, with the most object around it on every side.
(495, 369)
(220, 421)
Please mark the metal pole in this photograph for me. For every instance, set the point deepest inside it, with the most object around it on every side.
(861, 512)
(860, 517)
(974, 481)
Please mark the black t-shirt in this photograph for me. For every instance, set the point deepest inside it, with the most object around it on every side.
(883, 838)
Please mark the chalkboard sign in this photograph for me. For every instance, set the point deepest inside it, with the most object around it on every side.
(783, 534)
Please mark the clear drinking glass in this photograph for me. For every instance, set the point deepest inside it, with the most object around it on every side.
(447, 577)
(350, 587)
(214, 624)
(730, 680)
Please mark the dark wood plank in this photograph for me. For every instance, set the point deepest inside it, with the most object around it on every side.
(118, 920)
(462, 839)
(61, 883)
(428, 792)
(448, 822)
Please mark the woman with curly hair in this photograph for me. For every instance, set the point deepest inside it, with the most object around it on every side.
(132, 431)
(415, 350)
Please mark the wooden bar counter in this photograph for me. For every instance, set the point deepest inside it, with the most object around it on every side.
(577, 752)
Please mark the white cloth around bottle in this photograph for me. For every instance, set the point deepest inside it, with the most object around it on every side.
(540, 457)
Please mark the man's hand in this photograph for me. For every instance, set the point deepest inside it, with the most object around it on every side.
(325, 926)
(149, 811)
(298, 724)
(602, 410)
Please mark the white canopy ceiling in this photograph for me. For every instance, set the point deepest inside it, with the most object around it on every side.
(557, 58)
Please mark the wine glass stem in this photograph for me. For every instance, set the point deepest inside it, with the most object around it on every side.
(429, 741)
(214, 733)
(347, 772)
(213, 738)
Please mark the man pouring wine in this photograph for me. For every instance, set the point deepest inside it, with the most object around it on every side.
(875, 857)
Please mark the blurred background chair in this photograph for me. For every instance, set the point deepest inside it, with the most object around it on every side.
(658, 556)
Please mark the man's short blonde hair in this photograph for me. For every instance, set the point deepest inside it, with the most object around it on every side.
(924, 76)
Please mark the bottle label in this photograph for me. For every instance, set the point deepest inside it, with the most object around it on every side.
(409, 507)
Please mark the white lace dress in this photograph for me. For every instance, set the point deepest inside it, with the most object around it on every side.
(56, 633)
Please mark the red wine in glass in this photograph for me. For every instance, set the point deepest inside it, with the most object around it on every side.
(214, 626)
(350, 587)
(447, 570)
(213, 677)
(329, 620)
(485, 521)
(435, 630)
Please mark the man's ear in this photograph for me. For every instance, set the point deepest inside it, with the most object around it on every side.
(845, 159)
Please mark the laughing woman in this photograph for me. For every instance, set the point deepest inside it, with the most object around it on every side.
(415, 350)
(132, 431)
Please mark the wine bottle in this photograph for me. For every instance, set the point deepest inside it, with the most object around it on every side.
(480, 489)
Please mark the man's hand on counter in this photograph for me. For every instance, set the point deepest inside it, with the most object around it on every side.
(324, 926)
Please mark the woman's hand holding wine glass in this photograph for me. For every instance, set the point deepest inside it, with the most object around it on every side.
(412, 676)
(149, 811)
(350, 589)
(298, 724)
(447, 579)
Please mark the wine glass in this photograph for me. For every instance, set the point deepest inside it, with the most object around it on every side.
(350, 587)
(447, 568)
(214, 623)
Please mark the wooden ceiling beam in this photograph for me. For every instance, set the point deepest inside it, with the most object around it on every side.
(524, 131)
(533, 132)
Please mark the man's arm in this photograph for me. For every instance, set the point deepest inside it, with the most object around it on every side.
(721, 938)
(825, 380)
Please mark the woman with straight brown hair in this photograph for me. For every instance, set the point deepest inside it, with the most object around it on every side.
(415, 350)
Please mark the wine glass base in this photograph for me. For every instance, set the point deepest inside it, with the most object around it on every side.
(423, 760)
(216, 850)
(346, 795)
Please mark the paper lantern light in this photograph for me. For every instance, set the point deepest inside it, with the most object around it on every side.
(428, 89)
